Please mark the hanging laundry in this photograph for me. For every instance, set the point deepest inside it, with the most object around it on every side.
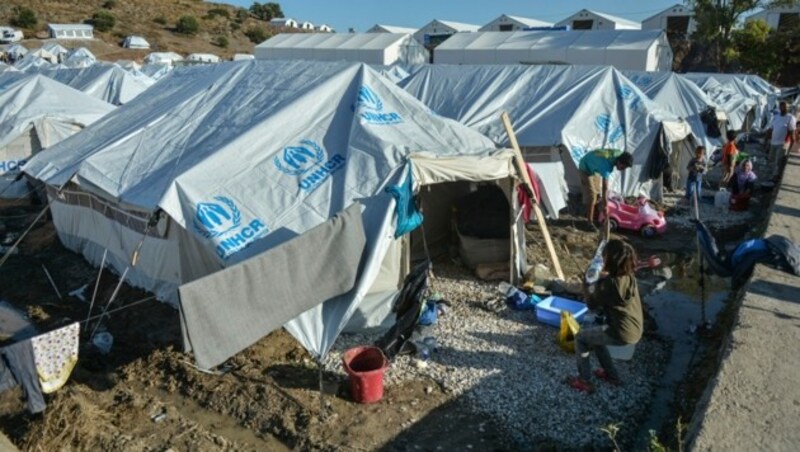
(55, 354)
(408, 217)
(18, 359)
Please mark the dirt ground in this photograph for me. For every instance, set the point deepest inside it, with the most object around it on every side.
(147, 395)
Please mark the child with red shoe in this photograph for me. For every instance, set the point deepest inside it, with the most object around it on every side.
(617, 296)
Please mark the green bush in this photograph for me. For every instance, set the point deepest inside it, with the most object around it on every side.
(221, 41)
(103, 21)
(257, 35)
(25, 18)
(110, 4)
(160, 20)
(214, 12)
(242, 15)
(187, 25)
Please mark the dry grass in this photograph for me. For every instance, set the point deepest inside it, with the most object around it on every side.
(138, 18)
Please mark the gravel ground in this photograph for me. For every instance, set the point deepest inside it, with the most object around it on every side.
(510, 368)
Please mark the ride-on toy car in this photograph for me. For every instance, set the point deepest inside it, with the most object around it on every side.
(640, 217)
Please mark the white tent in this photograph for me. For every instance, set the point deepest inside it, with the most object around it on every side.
(243, 56)
(778, 17)
(751, 87)
(162, 58)
(595, 20)
(7, 68)
(156, 71)
(45, 55)
(684, 99)
(136, 42)
(31, 62)
(80, 58)
(624, 49)
(272, 149)
(16, 51)
(438, 30)
(370, 48)
(56, 49)
(202, 58)
(675, 19)
(574, 108)
(35, 113)
(107, 82)
(741, 104)
(378, 28)
(514, 23)
(128, 65)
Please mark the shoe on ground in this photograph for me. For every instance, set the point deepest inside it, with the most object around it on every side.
(579, 384)
(601, 374)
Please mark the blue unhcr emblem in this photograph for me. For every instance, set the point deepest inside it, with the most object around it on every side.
(296, 160)
(213, 220)
(605, 125)
(372, 105)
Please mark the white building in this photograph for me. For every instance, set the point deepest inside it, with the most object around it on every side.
(243, 56)
(514, 23)
(640, 50)
(594, 20)
(71, 31)
(166, 58)
(779, 18)
(136, 42)
(324, 28)
(371, 48)
(437, 31)
(307, 26)
(677, 19)
(9, 35)
(378, 28)
(285, 22)
(202, 58)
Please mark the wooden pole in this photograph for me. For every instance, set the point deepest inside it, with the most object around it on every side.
(526, 183)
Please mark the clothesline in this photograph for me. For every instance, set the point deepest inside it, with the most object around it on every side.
(129, 305)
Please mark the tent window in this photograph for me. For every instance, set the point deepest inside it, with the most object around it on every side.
(582, 24)
(506, 27)
(788, 20)
(678, 24)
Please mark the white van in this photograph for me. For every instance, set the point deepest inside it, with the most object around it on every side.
(10, 35)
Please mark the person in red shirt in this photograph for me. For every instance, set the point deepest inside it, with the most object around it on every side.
(729, 153)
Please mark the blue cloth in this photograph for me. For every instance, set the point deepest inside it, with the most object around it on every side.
(600, 161)
(744, 248)
(429, 314)
(408, 217)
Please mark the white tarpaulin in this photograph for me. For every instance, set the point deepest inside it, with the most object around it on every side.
(750, 87)
(578, 107)
(36, 112)
(741, 108)
(242, 157)
(106, 82)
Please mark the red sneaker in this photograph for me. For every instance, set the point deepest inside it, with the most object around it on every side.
(580, 384)
(601, 374)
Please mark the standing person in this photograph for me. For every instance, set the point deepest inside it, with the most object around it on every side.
(595, 168)
(781, 137)
(729, 154)
(696, 167)
(617, 295)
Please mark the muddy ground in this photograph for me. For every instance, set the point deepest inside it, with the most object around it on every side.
(147, 395)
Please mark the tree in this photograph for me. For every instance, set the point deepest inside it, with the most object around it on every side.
(103, 21)
(187, 25)
(754, 48)
(267, 11)
(716, 20)
(221, 41)
(257, 35)
(25, 18)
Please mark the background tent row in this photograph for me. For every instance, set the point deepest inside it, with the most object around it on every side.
(224, 162)
(107, 82)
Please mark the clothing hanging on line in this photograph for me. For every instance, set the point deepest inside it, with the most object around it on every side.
(55, 354)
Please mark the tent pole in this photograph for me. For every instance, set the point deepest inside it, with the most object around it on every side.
(321, 393)
(97, 283)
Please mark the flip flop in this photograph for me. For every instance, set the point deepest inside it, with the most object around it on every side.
(602, 375)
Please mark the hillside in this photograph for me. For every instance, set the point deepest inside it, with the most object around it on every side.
(153, 19)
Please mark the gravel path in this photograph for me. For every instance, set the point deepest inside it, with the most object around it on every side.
(509, 367)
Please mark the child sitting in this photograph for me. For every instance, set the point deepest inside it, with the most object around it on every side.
(617, 295)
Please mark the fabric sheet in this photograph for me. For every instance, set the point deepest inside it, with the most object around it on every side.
(408, 216)
(55, 355)
(19, 359)
(225, 312)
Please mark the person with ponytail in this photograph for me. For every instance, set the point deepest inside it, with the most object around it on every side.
(616, 295)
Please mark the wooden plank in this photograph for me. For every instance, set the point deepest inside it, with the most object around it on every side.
(523, 170)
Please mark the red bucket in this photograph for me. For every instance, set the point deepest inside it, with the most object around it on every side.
(366, 366)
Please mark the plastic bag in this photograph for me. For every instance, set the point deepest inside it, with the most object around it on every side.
(566, 334)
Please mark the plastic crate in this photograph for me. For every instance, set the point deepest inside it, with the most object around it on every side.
(548, 311)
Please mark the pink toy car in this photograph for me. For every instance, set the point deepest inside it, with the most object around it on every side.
(641, 217)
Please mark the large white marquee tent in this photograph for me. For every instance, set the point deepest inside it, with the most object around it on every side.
(370, 48)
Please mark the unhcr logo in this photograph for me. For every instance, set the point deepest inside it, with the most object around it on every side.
(371, 108)
(309, 161)
(605, 125)
(626, 93)
(222, 222)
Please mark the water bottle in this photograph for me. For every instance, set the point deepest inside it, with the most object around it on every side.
(423, 352)
(596, 265)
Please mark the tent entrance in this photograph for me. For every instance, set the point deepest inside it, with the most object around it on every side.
(466, 222)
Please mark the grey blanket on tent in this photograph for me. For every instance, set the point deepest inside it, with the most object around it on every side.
(227, 311)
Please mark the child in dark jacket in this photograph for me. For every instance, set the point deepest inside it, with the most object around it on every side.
(617, 296)
(696, 168)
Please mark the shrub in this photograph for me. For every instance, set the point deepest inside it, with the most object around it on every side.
(214, 12)
(160, 20)
(257, 35)
(110, 4)
(25, 18)
(187, 25)
(221, 41)
(103, 21)
(242, 15)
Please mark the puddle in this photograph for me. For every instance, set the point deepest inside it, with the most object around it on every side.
(675, 304)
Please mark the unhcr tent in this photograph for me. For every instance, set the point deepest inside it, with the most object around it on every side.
(31, 63)
(156, 70)
(16, 51)
(202, 58)
(553, 108)
(36, 113)
(638, 50)
(107, 82)
(56, 49)
(136, 42)
(45, 55)
(685, 100)
(740, 106)
(80, 58)
(162, 58)
(371, 48)
(219, 163)
(6, 68)
(750, 87)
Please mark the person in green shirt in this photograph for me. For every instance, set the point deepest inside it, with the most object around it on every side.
(595, 168)
(617, 296)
